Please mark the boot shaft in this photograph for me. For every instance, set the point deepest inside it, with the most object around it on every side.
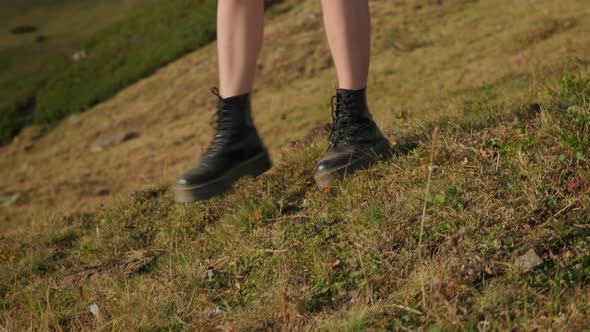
(238, 109)
(353, 102)
(234, 128)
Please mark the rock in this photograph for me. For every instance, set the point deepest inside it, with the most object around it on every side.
(94, 310)
(528, 261)
(210, 313)
(210, 274)
(108, 140)
(79, 55)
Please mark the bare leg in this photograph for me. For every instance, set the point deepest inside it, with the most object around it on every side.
(348, 28)
(240, 28)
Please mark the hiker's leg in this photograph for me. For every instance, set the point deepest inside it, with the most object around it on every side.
(240, 28)
(355, 141)
(236, 149)
(348, 28)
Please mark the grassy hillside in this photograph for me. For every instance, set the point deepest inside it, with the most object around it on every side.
(40, 82)
(55, 28)
(432, 239)
(38, 38)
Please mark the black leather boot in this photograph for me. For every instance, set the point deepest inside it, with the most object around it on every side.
(355, 140)
(236, 151)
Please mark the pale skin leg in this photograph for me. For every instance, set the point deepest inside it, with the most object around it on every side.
(240, 28)
(348, 28)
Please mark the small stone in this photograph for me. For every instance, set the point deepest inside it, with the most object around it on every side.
(528, 261)
(80, 55)
(210, 313)
(94, 310)
(210, 274)
(108, 140)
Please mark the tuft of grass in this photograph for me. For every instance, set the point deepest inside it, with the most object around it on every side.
(275, 253)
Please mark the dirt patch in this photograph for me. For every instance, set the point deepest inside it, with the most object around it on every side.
(135, 262)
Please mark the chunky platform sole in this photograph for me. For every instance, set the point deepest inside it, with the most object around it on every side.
(254, 166)
(326, 178)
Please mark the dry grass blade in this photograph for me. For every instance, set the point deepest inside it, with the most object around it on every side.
(433, 139)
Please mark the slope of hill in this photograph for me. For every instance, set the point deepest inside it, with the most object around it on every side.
(480, 222)
(485, 225)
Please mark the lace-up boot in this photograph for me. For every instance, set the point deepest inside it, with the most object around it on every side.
(235, 151)
(355, 140)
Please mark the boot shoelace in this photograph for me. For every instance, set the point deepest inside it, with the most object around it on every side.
(343, 127)
(222, 125)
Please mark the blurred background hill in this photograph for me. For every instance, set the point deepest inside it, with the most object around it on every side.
(63, 57)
